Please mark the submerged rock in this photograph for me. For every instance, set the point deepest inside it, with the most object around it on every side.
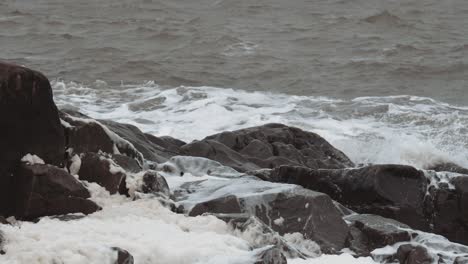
(268, 146)
(43, 190)
(29, 123)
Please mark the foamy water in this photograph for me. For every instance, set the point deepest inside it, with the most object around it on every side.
(395, 129)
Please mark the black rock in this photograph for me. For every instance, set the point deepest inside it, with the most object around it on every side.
(43, 190)
(29, 123)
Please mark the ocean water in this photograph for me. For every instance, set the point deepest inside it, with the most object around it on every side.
(385, 81)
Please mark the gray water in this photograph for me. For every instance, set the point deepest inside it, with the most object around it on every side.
(334, 48)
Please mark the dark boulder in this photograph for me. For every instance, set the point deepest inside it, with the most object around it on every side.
(410, 254)
(29, 123)
(270, 146)
(101, 170)
(123, 256)
(270, 255)
(369, 232)
(392, 191)
(299, 210)
(43, 190)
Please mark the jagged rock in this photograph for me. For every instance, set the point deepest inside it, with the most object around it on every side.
(410, 254)
(154, 183)
(268, 146)
(369, 232)
(299, 210)
(101, 170)
(153, 148)
(43, 190)
(123, 256)
(29, 123)
(271, 255)
(392, 191)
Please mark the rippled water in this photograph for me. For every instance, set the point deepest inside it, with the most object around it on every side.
(334, 48)
(382, 80)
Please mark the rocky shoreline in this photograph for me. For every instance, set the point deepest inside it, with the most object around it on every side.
(274, 179)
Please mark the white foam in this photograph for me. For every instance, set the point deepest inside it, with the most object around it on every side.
(152, 234)
(395, 129)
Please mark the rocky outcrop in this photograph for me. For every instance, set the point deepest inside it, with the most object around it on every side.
(101, 170)
(47, 190)
(29, 123)
(296, 210)
(268, 146)
(369, 232)
(392, 191)
(447, 209)
(123, 256)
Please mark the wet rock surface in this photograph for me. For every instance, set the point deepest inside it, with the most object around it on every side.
(47, 190)
(268, 146)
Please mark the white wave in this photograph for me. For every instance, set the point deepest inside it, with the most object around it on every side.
(395, 129)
